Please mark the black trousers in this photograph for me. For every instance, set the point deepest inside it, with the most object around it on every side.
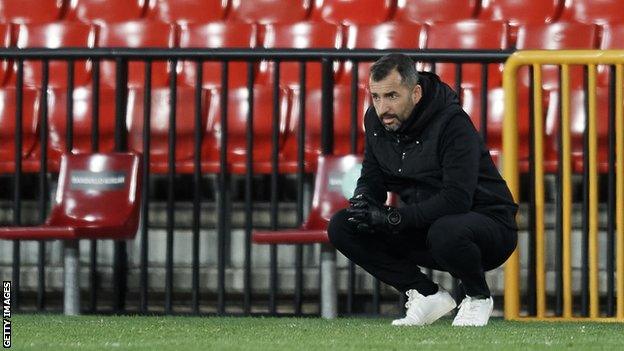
(465, 245)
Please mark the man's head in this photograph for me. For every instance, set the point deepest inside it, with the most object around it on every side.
(393, 84)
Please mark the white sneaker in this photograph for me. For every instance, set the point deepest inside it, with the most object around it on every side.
(423, 310)
(473, 312)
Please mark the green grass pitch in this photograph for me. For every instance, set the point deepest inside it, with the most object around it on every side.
(57, 332)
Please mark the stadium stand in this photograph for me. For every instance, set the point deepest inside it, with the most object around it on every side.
(593, 11)
(106, 11)
(270, 11)
(353, 12)
(427, 11)
(31, 11)
(187, 11)
(518, 12)
(30, 112)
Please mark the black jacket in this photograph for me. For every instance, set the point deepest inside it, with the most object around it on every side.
(436, 162)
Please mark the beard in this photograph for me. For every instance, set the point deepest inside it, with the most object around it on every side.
(391, 127)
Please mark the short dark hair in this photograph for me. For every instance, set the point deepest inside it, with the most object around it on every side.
(402, 63)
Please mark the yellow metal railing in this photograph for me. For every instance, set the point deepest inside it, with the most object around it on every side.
(589, 58)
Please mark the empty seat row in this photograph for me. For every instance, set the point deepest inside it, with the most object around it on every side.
(335, 11)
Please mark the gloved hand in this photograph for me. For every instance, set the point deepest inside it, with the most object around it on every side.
(369, 216)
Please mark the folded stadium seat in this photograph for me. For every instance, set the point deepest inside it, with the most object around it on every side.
(30, 113)
(342, 124)
(353, 12)
(137, 34)
(270, 11)
(421, 11)
(387, 35)
(159, 126)
(237, 149)
(55, 35)
(217, 35)
(31, 11)
(187, 11)
(106, 11)
(6, 41)
(593, 11)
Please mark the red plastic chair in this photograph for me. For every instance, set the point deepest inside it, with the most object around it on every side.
(388, 35)
(217, 35)
(159, 126)
(593, 11)
(270, 11)
(237, 149)
(137, 34)
(106, 11)
(31, 11)
(53, 36)
(353, 12)
(334, 185)
(98, 197)
(30, 114)
(188, 11)
(6, 41)
(519, 12)
(421, 11)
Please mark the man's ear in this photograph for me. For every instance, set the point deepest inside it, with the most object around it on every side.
(417, 93)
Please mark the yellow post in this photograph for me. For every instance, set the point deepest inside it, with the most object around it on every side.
(592, 124)
(540, 240)
(566, 204)
(619, 202)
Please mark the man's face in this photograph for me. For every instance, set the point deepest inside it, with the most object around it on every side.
(393, 100)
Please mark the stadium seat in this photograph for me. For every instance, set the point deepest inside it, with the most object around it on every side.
(593, 11)
(270, 11)
(427, 11)
(6, 41)
(30, 11)
(519, 12)
(137, 34)
(55, 35)
(108, 189)
(342, 124)
(159, 126)
(217, 35)
(237, 149)
(187, 11)
(388, 35)
(106, 11)
(612, 38)
(470, 34)
(353, 12)
(30, 115)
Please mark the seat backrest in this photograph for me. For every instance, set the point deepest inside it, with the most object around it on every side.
(106, 11)
(30, 115)
(422, 11)
(99, 191)
(137, 34)
(53, 36)
(593, 11)
(30, 11)
(353, 11)
(6, 40)
(217, 35)
(521, 11)
(187, 11)
(270, 11)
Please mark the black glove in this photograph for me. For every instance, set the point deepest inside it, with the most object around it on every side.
(369, 216)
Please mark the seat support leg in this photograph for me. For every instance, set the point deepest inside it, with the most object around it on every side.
(71, 286)
(329, 291)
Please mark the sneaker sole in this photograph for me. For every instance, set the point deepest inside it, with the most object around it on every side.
(432, 317)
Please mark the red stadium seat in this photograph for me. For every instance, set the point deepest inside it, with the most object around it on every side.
(342, 124)
(137, 34)
(31, 11)
(217, 35)
(237, 149)
(187, 11)
(270, 11)
(159, 126)
(388, 35)
(108, 189)
(593, 11)
(519, 12)
(612, 36)
(53, 36)
(421, 11)
(6, 41)
(30, 114)
(106, 11)
(353, 12)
